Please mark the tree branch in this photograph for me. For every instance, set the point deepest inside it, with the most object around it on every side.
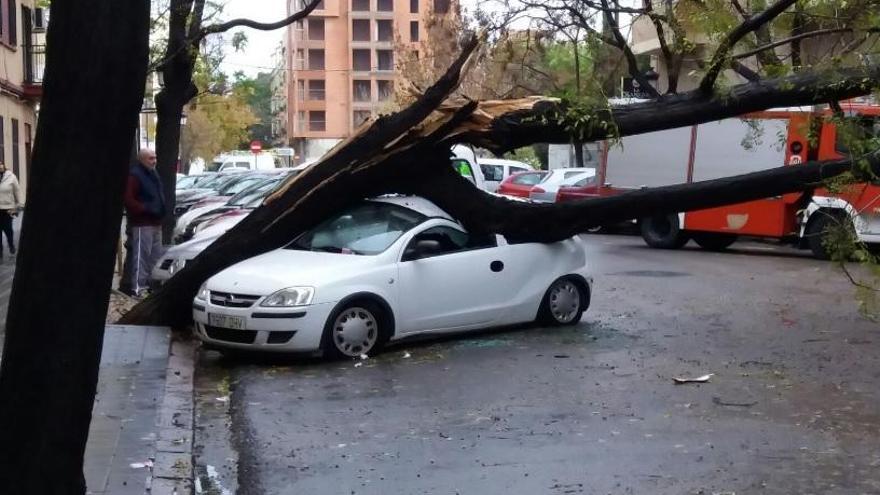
(631, 62)
(262, 26)
(727, 44)
(517, 220)
(540, 120)
(811, 34)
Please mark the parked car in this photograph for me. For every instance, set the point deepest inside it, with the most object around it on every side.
(386, 269)
(582, 189)
(545, 191)
(495, 170)
(219, 192)
(521, 184)
(189, 223)
(244, 160)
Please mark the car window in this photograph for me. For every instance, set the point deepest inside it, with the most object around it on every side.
(366, 229)
(569, 175)
(492, 172)
(528, 179)
(864, 127)
(238, 186)
(449, 240)
(254, 192)
(187, 182)
(516, 170)
(464, 168)
(242, 164)
(586, 181)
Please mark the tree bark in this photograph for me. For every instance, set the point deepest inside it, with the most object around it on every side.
(408, 152)
(60, 294)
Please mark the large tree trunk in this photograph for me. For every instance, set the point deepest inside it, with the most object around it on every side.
(94, 82)
(185, 20)
(408, 152)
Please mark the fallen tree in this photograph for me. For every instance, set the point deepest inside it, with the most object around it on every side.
(407, 152)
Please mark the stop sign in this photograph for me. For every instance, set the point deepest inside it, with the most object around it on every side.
(256, 146)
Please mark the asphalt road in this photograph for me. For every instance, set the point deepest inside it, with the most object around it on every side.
(793, 405)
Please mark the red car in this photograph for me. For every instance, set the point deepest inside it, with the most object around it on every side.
(582, 189)
(520, 184)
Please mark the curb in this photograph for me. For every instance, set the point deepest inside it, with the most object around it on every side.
(172, 472)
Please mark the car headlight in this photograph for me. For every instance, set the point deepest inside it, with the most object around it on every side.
(291, 296)
(203, 292)
(176, 265)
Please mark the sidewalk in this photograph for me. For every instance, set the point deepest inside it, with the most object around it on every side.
(140, 439)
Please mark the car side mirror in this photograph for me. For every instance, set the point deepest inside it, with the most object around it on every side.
(422, 248)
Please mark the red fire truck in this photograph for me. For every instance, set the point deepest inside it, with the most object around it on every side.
(736, 146)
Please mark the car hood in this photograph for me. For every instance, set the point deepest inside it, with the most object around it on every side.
(283, 268)
(190, 249)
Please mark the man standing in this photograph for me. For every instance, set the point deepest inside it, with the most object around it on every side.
(144, 209)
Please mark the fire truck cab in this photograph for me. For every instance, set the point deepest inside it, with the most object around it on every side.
(758, 141)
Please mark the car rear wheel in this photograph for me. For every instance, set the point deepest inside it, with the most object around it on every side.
(354, 329)
(826, 228)
(563, 303)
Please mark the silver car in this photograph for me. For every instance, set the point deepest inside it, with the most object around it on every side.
(545, 191)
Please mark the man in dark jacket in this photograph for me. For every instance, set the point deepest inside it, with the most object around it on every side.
(144, 209)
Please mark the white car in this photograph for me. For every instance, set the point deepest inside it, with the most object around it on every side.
(496, 170)
(545, 191)
(176, 257)
(383, 270)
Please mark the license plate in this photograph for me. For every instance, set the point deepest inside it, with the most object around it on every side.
(226, 321)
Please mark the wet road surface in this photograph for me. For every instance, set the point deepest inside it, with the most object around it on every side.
(792, 406)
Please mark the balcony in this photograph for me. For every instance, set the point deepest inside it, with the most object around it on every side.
(34, 65)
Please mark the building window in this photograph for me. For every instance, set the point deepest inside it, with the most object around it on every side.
(316, 29)
(359, 117)
(9, 22)
(301, 90)
(413, 6)
(384, 31)
(385, 5)
(441, 6)
(299, 30)
(316, 89)
(16, 164)
(316, 59)
(2, 142)
(361, 90)
(305, 3)
(300, 62)
(361, 60)
(317, 121)
(384, 90)
(360, 5)
(414, 31)
(360, 30)
(385, 59)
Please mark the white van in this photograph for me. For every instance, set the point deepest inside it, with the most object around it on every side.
(464, 161)
(244, 160)
(496, 170)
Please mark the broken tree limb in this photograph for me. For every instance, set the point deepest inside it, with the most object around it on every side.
(550, 222)
(407, 152)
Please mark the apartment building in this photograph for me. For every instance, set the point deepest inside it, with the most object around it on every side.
(278, 105)
(342, 61)
(22, 43)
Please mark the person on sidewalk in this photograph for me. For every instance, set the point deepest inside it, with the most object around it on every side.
(10, 204)
(144, 209)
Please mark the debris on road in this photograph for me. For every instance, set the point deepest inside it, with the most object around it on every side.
(358, 365)
(719, 402)
(406, 355)
(140, 465)
(223, 399)
(699, 379)
(364, 356)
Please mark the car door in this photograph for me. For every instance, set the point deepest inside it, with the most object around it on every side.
(460, 285)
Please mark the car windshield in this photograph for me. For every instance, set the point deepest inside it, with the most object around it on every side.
(209, 182)
(187, 182)
(254, 193)
(369, 229)
(237, 186)
(214, 166)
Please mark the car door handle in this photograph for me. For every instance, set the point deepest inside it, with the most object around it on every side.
(496, 266)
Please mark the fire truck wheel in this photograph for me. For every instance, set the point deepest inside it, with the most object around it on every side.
(818, 228)
(663, 231)
(713, 241)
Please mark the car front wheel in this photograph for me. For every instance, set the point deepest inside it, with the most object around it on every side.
(563, 304)
(353, 330)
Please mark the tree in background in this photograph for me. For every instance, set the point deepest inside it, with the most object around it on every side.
(257, 93)
(215, 123)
